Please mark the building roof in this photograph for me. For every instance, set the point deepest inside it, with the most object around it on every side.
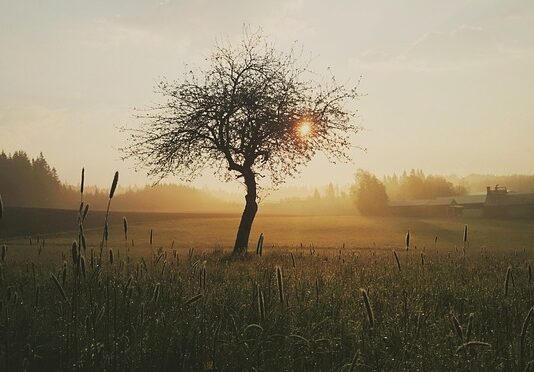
(516, 198)
(409, 203)
(470, 199)
(497, 197)
(442, 201)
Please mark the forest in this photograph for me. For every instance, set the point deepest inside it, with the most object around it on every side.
(33, 182)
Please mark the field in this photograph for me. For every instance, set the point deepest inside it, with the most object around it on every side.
(328, 293)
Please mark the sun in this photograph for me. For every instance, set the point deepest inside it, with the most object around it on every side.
(304, 129)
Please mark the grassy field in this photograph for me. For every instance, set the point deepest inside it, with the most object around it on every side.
(217, 232)
(300, 306)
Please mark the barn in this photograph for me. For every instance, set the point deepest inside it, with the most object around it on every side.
(502, 203)
(497, 202)
(450, 206)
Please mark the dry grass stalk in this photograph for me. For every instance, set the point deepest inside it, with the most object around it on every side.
(523, 336)
(457, 328)
(471, 344)
(114, 185)
(397, 260)
(259, 245)
(155, 294)
(125, 226)
(59, 288)
(82, 265)
(193, 299)
(280, 282)
(261, 303)
(85, 211)
(469, 330)
(106, 231)
(64, 273)
(82, 181)
(354, 361)
(1, 208)
(507, 280)
(368, 308)
(74, 253)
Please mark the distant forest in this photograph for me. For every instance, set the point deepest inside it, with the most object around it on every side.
(417, 185)
(26, 182)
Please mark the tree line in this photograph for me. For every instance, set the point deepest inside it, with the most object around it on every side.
(27, 182)
(371, 195)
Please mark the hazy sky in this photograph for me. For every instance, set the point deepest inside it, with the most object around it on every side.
(449, 84)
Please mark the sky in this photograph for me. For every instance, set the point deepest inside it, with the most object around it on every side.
(446, 85)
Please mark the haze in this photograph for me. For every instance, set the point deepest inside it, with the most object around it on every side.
(447, 84)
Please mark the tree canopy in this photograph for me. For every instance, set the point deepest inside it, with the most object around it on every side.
(28, 182)
(253, 112)
(245, 110)
(369, 194)
(417, 185)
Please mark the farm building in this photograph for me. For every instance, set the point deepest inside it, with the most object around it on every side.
(496, 202)
(450, 206)
(503, 203)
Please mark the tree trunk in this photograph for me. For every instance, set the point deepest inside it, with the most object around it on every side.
(251, 207)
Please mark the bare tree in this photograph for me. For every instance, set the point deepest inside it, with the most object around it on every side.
(252, 113)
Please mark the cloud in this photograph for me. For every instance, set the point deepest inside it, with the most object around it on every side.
(200, 22)
(463, 46)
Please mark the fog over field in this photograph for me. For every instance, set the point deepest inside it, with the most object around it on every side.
(248, 185)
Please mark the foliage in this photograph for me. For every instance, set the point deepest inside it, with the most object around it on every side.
(243, 112)
(252, 113)
(417, 185)
(329, 201)
(369, 194)
(25, 181)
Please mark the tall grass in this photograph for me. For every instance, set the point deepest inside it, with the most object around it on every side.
(368, 308)
(1, 208)
(332, 311)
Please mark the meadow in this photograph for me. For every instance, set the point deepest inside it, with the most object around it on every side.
(328, 293)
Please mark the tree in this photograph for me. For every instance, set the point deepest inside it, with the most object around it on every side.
(28, 182)
(417, 185)
(252, 113)
(369, 194)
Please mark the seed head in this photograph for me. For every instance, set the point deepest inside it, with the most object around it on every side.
(83, 181)
(114, 185)
(125, 224)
